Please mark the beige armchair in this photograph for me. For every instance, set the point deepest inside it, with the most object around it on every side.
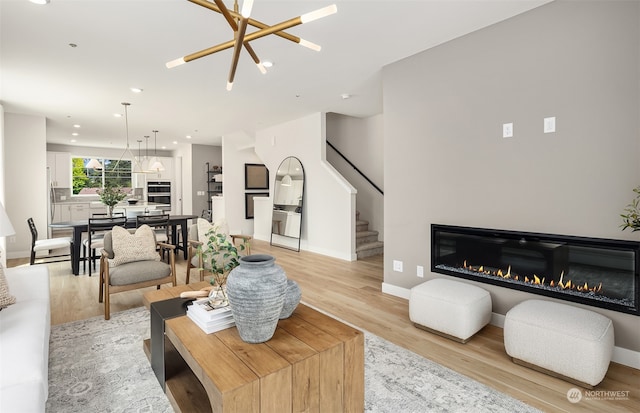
(195, 259)
(131, 261)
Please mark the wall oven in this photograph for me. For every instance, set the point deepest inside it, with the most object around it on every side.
(159, 192)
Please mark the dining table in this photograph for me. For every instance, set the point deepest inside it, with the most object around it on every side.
(82, 226)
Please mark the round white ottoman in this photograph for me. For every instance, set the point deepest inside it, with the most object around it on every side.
(452, 309)
(568, 342)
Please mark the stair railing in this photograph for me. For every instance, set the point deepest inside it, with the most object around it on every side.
(355, 168)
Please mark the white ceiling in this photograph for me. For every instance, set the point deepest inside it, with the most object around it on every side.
(126, 43)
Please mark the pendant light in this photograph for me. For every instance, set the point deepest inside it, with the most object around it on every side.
(94, 164)
(286, 180)
(157, 166)
(136, 168)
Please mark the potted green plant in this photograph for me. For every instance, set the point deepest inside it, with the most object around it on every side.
(110, 196)
(220, 255)
(631, 217)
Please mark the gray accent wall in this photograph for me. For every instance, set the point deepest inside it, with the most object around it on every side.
(446, 161)
(201, 154)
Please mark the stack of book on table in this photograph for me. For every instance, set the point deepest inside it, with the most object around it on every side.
(210, 318)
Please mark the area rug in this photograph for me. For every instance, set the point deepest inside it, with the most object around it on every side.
(99, 366)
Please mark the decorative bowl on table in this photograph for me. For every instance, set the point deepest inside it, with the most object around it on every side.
(132, 201)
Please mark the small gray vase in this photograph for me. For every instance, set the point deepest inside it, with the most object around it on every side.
(291, 299)
(256, 291)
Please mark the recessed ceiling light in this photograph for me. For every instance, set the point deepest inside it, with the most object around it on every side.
(75, 134)
(136, 90)
(73, 45)
(73, 141)
(345, 96)
(76, 126)
(188, 136)
(39, 1)
(117, 115)
(175, 142)
(267, 63)
(164, 147)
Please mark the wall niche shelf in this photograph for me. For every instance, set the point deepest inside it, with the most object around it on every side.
(214, 184)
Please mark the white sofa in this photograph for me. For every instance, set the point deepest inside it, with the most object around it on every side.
(24, 341)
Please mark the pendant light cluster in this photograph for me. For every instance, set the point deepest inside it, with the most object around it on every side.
(138, 161)
(239, 22)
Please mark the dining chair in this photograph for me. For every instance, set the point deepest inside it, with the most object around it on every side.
(159, 224)
(96, 230)
(47, 244)
(96, 238)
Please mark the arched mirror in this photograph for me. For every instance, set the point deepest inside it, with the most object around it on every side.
(288, 194)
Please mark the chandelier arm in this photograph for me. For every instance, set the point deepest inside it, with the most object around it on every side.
(249, 37)
(236, 51)
(251, 52)
(234, 26)
(222, 9)
(251, 22)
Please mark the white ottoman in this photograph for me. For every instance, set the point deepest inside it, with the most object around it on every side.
(452, 309)
(561, 340)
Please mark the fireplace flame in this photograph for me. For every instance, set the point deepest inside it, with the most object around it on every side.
(565, 285)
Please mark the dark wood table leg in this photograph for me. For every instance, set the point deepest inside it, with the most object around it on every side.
(75, 250)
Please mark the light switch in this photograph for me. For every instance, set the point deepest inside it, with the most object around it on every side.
(397, 265)
(550, 125)
(507, 130)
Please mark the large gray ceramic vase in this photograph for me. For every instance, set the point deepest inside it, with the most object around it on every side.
(256, 291)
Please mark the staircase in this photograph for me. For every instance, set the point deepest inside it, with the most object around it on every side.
(367, 243)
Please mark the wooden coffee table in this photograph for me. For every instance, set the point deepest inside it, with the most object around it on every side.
(313, 363)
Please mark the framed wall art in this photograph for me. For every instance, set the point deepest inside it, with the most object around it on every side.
(256, 176)
(248, 202)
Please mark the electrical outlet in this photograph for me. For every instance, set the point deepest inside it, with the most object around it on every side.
(63, 198)
(420, 271)
(397, 265)
(507, 130)
(550, 125)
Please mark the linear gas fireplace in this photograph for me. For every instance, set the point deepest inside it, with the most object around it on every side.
(599, 272)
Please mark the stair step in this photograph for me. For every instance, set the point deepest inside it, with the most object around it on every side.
(370, 249)
(362, 225)
(366, 237)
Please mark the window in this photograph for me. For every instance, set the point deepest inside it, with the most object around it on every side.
(86, 181)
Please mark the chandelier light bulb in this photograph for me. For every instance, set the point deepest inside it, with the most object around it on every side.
(174, 63)
(246, 8)
(310, 45)
(318, 14)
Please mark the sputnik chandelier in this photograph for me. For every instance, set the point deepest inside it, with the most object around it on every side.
(239, 23)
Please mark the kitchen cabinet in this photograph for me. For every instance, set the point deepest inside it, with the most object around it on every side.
(59, 164)
(292, 227)
(71, 211)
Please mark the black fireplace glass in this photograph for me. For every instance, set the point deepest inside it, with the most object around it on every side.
(592, 271)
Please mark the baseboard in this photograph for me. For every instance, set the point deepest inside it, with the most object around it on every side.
(396, 291)
(620, 355)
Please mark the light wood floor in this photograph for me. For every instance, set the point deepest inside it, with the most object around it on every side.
(352, 291)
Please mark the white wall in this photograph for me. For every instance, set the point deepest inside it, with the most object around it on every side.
(3, 240)
(237, 149)
(329, 201)
(361, 140)
(25, 168)
(184, 151)
(446, 161)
